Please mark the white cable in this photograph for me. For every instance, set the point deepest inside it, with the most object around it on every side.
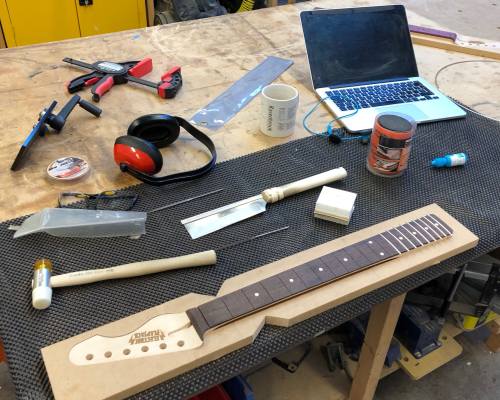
(460, 105)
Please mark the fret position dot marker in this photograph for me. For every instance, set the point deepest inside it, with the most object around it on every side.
(436, 224)
(381, 254)
(370, 242)
(426, 228)
(345, 259)
(400, 238)
(291, 280)
(414, 233)
(320, 269)
(256, 295)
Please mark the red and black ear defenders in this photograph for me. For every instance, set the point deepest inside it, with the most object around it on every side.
(137, 153)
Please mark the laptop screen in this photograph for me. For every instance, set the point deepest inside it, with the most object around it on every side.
(355, 45)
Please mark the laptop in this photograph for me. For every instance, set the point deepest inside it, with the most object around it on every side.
(366, 54)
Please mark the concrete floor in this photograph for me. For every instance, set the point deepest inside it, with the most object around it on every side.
(471, 376)
(474, 375)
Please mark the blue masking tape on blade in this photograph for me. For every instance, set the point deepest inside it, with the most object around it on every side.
(223, 108)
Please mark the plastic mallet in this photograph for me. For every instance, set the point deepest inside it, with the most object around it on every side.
(43, 281)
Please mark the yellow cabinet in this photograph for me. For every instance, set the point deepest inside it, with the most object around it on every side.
(33, 21)
(105, 16)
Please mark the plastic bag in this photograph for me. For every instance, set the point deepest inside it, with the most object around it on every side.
(66, 222)
(223, 108)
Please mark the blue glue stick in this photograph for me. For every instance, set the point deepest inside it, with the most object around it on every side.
(450, 161)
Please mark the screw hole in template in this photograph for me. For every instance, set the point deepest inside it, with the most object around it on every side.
(163, 346)
(126, 352)
(444, 337)
(406, 359)
(108, 354)
(180, 343)
(144, 349)
(89, 357)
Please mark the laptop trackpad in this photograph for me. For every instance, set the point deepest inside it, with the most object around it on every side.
(408, 109)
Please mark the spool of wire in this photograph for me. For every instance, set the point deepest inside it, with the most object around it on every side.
(390, 144)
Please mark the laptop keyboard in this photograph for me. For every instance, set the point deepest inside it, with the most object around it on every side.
(382, 95)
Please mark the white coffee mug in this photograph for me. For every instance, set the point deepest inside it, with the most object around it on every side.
(278, 109)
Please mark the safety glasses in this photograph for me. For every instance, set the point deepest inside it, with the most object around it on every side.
(111, 200)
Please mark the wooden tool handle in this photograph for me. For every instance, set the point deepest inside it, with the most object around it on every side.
(279, 193)
(136, 269)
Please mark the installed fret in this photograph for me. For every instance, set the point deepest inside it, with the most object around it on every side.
(367, 253)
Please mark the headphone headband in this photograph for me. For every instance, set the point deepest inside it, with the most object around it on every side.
(150, 128)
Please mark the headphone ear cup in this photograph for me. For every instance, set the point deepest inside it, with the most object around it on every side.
(138, 153)
(158, 129)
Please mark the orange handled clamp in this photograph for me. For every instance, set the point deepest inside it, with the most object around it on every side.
(105, 74)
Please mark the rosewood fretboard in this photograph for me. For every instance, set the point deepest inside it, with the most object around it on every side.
(367, 253)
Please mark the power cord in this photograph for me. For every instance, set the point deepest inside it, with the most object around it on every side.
(333, 134)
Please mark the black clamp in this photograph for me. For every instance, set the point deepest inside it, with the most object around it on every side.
(56, 122)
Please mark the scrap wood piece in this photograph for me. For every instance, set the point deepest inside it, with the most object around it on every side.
(449, 41)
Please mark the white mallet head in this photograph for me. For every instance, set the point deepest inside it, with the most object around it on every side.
(42, 290)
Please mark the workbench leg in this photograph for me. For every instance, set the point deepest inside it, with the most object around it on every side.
(378, 337)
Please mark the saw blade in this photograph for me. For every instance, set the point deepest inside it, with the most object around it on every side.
(211, 221)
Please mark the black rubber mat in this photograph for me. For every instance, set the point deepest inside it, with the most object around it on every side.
(469, 193)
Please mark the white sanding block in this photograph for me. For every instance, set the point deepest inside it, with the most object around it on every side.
(335, 205)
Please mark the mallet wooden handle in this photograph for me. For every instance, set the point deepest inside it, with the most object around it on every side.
(135, 269)
(279, 193)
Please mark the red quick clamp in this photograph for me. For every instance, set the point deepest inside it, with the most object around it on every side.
(105, 74)
(170, 83)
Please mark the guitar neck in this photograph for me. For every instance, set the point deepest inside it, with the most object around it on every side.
(321, 271)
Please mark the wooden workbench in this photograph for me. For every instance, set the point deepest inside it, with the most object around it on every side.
(213, 54)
